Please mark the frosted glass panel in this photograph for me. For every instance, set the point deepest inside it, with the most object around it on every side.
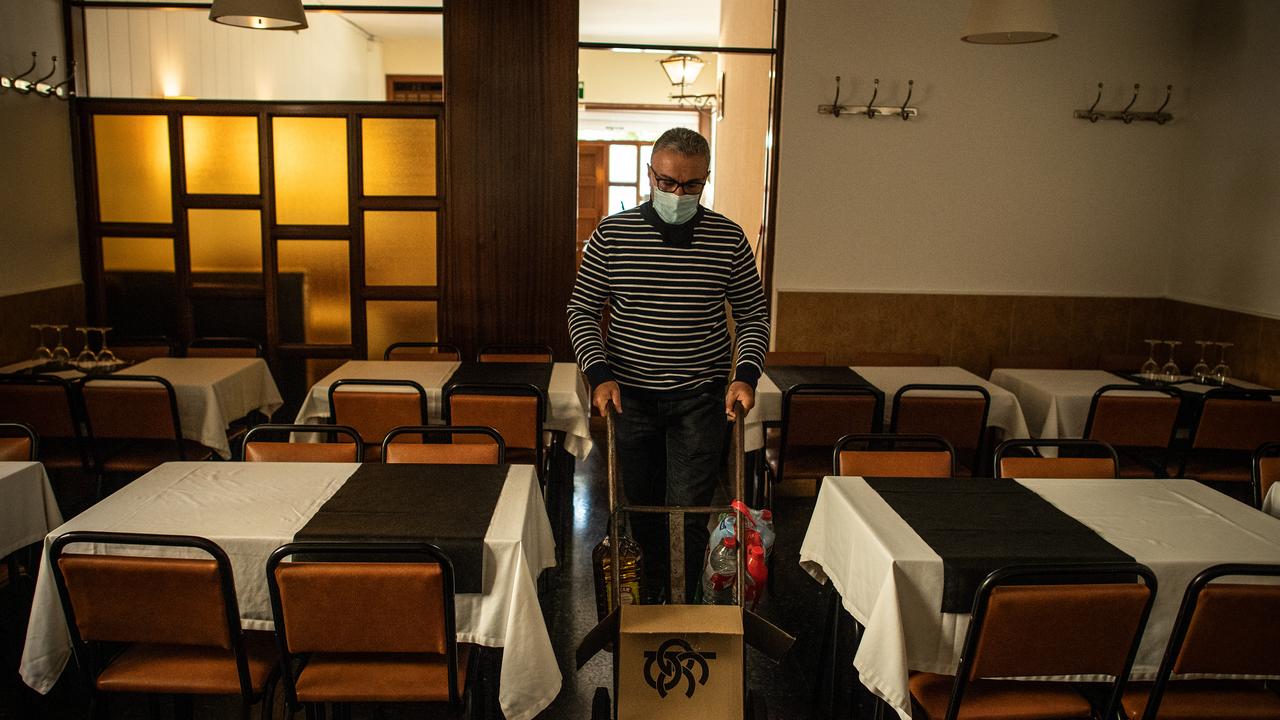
(226, 241)
(622, 163)
(132, 155)
(399, 156)
(400, 248)
(399, 321)
(311, 170)
(221, 154)
(314, 291)
(127, 254)
(621, 197)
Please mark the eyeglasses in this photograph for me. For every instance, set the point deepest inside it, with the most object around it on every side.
(669, 184)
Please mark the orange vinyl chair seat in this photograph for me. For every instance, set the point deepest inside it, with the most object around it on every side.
(442, 453)
(1060, 467)
(186, 669)
(1266, 472)
(422, 352)
(46, 405)
(998, 700)
(515, 417)
(374, 410)
(402, 677)
(1200, 699)
(15, 449)
(895, 463)
(337, 452)
(514, 358)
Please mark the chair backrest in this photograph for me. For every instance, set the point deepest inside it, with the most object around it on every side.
(139, 407)
(1085, 619)
(1232, 420)
(531, 353)
(1118, 417)
(1044, 361)
(1223, 628)
(422, 351)
(1102, 461)
(894, 359)
(817, 415)
(48, 404)
(514, 410)
(375, 407)
(445, 445)
(159, 600)
(794, 357)
(18, 442)
(1266, 470)
(224, 347)
(886, 455)
(257, 449)
(961, 420)
(404, 606)
(137, 349)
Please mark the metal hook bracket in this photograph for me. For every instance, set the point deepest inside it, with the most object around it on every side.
(17, 82)
(871, 110)
(1127, 115)
(40, 86)
(65, 90)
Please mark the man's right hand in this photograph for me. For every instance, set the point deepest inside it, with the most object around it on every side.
(605, 393)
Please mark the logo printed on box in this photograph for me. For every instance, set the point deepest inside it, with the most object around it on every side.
(675, 660)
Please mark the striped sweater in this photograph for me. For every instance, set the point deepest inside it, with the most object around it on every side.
(666, 289)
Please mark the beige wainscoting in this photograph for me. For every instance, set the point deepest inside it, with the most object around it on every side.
(62, 305)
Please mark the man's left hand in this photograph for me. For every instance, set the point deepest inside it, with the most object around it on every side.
(738, 392)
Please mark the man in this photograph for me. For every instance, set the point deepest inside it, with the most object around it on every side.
(666, 269)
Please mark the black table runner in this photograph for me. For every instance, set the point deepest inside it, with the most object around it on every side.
(978, 525)
(447, 505)
(535, 374)
(788, 376)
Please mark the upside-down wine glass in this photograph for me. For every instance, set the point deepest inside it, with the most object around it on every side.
(1150, 368)
(1170, 371)
(105, 356)
(42, 353)
(87, 359)
(60, 354)
(1201, 371)
(1222, 371)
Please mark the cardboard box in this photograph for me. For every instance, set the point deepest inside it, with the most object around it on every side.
(680, 661)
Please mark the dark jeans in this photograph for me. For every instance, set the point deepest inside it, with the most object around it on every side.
(670, 452)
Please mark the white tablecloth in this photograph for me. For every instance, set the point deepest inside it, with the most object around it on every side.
(1005, 412)
(1271, 503)
(28, 509)
(567, 394)
(891, 581)
(250, 509)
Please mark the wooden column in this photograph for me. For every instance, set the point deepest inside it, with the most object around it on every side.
(511, 69)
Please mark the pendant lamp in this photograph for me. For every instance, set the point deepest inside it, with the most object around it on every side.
(1010, 22)
(260, 14)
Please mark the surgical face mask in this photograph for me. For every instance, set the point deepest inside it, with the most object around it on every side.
(674, 209)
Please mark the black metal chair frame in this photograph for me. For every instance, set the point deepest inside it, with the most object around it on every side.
(945, 387)
(372, 552)
(227, 342)
(822, 390)
(1002, 450)
(26, 430)
(1265, 450)
(1052, 574)
(1222, 394)
(1183, 622)
(1160, 470)
(327, 430)
(518, 389)
(430, 432)
(886, 441)
(89, 660)
(75, 409)
(438, 347)
(516, 348)
(151, 379)
(365, 382)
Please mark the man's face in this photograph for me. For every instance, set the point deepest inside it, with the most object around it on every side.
(668, 168)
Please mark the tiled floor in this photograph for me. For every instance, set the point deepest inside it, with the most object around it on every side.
(569, 606)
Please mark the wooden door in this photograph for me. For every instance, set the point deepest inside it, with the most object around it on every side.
(593, 169)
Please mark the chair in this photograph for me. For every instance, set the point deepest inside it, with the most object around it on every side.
(1232, 425)
(176, 620)
(515, 411)
(256, 450)
(1222, 629)
(433, 451)
(1044, 361)
(1266, 471)
(516, 353)
(1085, 620)
(794, 357)
(1103, 463)
(224, 347)
(422, 351)
(368, 631)
(18, 443)
(1140, 428)
(895, 359)
(51, 407)
(961, 420)
(884, 455)
(139, 413)
(374, 408)
(814, 416)
(137, 349)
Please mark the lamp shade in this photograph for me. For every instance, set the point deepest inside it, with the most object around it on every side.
(1009, 22)
(260, 14)
(682, 69)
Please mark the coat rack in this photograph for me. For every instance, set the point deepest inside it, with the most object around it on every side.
(1127, 116)
(871, 110)
(20, 84)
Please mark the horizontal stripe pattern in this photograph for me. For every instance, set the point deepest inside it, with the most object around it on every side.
(668, 329)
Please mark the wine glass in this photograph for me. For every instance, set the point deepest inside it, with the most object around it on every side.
(87, 359)
(1150, 368)
(1170, 371)
(42, 353)
(1222, 371)
(1201, 371)
(60, 354)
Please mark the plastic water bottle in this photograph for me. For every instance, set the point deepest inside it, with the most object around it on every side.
(720, 573)
(764, 525)
(757, 574)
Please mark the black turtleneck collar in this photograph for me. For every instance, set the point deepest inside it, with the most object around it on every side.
(677, 235)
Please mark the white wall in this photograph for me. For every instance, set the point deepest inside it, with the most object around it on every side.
(634, 78)
(413, 56)
(1229, 256)
(168, 53)
(39, 247)
(995, 188)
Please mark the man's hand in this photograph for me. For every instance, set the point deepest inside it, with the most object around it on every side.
(739, 392)
(605, 393)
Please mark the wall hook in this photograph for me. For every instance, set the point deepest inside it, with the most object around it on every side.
(1161, 118)
(1128, 114)
(1125, 115)
(903, 110)
(16, 82)
(835, 104)
(1094, 116)
(40, 86)
(871, 110)
(65, 89)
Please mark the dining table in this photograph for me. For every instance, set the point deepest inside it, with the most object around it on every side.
(28, 508)
(490, 521)
(904, 555)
